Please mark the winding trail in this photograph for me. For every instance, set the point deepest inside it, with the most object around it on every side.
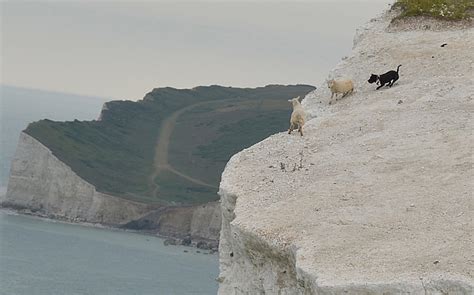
(162, 148)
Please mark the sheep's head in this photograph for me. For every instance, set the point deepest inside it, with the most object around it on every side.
(295, 100)
(330, 83)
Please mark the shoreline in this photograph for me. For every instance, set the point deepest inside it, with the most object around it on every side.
(166, 240)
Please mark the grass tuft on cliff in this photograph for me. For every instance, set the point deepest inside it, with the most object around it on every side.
(440, 9)
(204, 127)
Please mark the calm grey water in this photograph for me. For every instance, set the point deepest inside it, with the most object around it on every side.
(42, 257)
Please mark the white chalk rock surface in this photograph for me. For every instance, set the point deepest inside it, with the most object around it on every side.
(41, 182)
(376, 198)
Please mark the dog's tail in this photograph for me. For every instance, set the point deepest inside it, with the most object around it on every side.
(398, 68)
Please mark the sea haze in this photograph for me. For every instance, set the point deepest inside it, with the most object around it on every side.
(21, 106)
(46, 258)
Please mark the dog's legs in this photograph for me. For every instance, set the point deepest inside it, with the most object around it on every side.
(393, 81)
(381, 85)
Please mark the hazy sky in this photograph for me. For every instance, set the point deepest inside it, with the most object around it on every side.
(124, 49)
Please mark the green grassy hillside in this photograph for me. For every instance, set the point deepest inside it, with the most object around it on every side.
(172, 146)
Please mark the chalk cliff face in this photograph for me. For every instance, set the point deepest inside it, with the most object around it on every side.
(199, 223)
(376, 198)
(43, 184)
(206, 221)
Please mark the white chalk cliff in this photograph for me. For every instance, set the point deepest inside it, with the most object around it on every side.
(376, 198)
(42, 183)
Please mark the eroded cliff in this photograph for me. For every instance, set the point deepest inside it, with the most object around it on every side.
(376, 198)
(197, 225)
(43, 184)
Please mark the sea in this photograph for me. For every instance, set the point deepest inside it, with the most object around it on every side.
(43, 257)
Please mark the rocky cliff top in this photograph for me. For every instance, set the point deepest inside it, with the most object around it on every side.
(378, 193)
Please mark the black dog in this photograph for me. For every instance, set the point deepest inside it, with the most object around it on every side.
(389, 77)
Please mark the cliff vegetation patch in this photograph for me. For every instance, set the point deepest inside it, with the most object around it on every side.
(440, 9)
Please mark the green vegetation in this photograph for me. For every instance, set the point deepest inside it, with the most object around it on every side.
(117, 153)
(246, 132)
(442, 9)
(177, 190)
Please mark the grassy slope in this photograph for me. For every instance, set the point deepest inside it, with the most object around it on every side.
(442, 9)
(116, 154)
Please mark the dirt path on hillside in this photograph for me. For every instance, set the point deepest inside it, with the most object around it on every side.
(161, 162)
(162, 147)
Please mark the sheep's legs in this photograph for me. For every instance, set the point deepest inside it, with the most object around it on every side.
(297, 127)
(348, 92)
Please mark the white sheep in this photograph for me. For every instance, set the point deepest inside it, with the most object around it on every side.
(297, 116)
(340, 86)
